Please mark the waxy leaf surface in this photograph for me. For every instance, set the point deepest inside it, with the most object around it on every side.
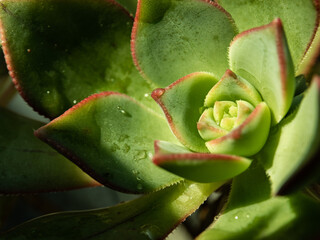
(150, 217)
(174, 38)
(262, 57)
(27, 165)
(199, 167)
(60, 52)
(251, 213)
(182, 102)
(292, 144)
(300, 19)
(293, 217)
(308, 65)
(110, 136)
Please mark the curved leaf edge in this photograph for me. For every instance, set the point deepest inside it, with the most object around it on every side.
(312, 165)
(41, 134)
(277, 26)
(312, 51)
(204, 190)
(157, 95)
(11, 68)
(135, 30)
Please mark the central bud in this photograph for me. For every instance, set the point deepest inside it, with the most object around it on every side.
(223, 117)
(235, 119)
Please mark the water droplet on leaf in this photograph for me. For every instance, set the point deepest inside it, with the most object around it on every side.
(124, 112)
(140, 155)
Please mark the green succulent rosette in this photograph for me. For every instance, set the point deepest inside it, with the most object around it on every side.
(230, 118)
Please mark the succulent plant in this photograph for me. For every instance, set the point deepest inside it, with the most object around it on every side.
(238, 91)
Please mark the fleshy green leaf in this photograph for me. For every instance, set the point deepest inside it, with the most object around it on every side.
(199, 167)
(150, 217)
(308, 62)
(300, 19)
(60, 52)
(27, 165)
(174, 38)
(291, 145)
(252, 214)
(262, 57)
(182, 102)
(110, 136)
(294, 217)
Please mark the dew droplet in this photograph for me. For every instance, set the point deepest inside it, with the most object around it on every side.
(236, 217)
(124, 112)
(150, 155)
(48, 92)
(183, 199)
(123, 137)
(126, 148)
(140, 155)
(114, 147)
(28, 50)
(74, 101)
(146, 95)
(151, 231)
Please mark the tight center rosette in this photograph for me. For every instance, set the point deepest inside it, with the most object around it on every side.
(220, 123)
(234, 120)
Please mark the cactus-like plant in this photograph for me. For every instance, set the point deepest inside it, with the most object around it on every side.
(237, 85)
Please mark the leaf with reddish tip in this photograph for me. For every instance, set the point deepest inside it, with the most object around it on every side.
(29, 166)
(60, 52)
(289, 155)
(232, 88)
(174, 38)
(182, 102)
(300, 20)
(199, 167)
(110, 136)
(152, 216)
(262, 57)
(246, 139)
(308, 63)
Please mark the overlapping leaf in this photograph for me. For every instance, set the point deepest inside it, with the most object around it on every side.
(60, 52)
(150, 217)
(300, 19)
(252, 214)
(292, 144)
(261, 56)
(110, 136)
(174, 38)
(199, 167)
(27, 165)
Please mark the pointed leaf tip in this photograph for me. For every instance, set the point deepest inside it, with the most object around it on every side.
(261, 56)
(199, 167)
(100, 134)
